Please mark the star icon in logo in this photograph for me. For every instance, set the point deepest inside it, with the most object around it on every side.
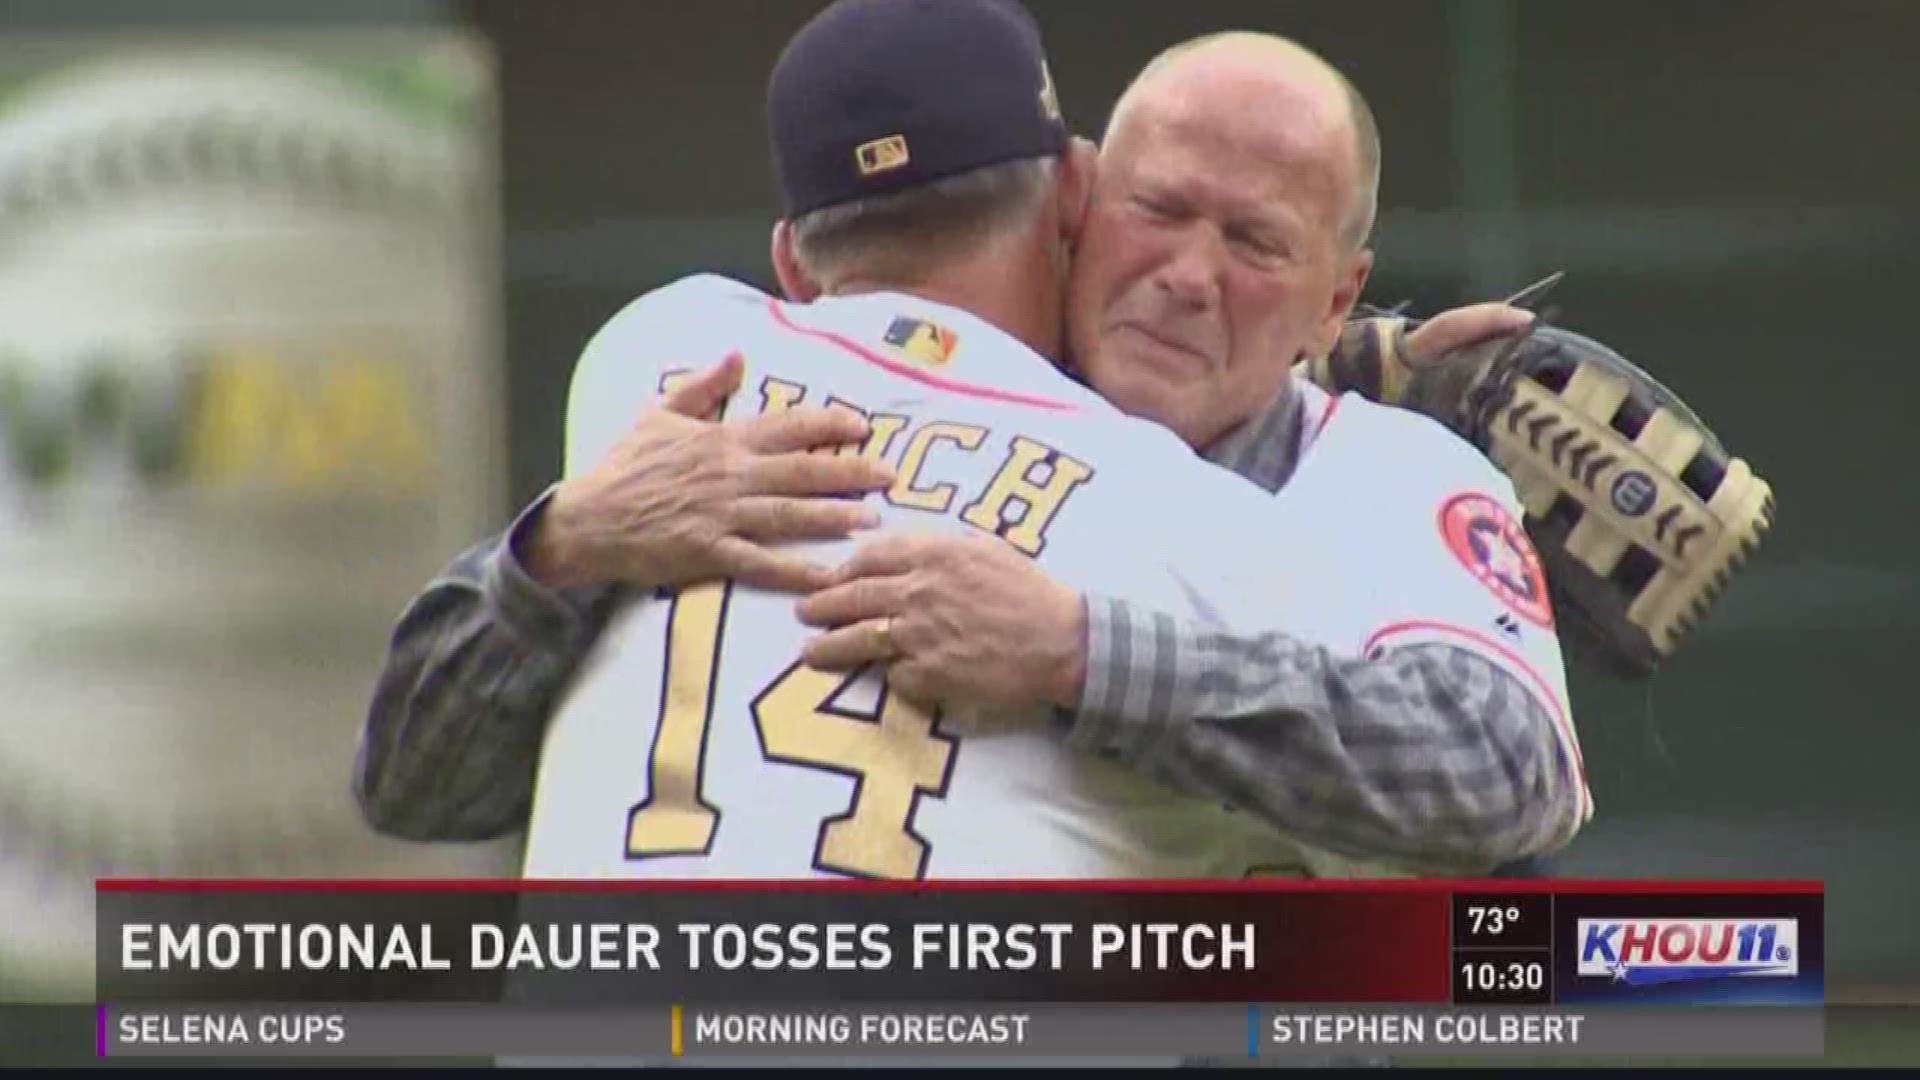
(1493, 546)
(1619, 969)
(1507, 564)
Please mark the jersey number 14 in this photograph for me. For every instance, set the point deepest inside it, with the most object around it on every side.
(892, 754)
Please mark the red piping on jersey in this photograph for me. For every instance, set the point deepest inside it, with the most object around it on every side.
(1541, 684)
(909, 371)
(1332, 404)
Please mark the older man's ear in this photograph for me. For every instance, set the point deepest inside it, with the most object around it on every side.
(1079, 171)
(1346, 293)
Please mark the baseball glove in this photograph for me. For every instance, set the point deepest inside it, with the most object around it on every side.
(1639, 513)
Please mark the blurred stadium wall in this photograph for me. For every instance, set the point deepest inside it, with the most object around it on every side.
(249, 401)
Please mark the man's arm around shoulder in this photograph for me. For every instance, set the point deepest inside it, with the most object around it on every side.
(1440, 750)
(474, 667)
(654, 496)
(1429, 757)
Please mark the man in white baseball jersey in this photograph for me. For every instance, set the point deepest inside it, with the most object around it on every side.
(695, 741)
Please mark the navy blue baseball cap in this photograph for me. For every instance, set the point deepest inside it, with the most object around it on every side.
(874, 96)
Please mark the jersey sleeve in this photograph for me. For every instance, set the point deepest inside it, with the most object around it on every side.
(1497, 603)
(1462, 571)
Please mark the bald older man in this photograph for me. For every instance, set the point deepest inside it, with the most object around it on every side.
(1228, 233)
(1226, 239)
(1227, 236)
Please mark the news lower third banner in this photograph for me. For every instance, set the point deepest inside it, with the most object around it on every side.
(869, 971)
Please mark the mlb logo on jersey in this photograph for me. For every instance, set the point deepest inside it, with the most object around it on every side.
(1642, 952)
(921, 340)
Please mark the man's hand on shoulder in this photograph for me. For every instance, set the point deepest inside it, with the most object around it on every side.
(955, 619)
(1378, 358)
(680, 498)
(1462, 328)
(1640, 513)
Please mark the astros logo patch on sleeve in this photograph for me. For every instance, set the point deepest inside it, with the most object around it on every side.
(1487, 540)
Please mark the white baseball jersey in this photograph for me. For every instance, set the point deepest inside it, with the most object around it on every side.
(693, 743)
(1400, 533)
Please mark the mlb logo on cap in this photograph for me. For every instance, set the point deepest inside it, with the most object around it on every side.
(859, 69)
(881, 155)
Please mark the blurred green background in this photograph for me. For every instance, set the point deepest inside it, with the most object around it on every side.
(1732, 187)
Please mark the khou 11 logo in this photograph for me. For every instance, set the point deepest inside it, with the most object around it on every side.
(1642, 952)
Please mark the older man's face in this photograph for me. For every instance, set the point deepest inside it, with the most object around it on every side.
(1212, 254)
